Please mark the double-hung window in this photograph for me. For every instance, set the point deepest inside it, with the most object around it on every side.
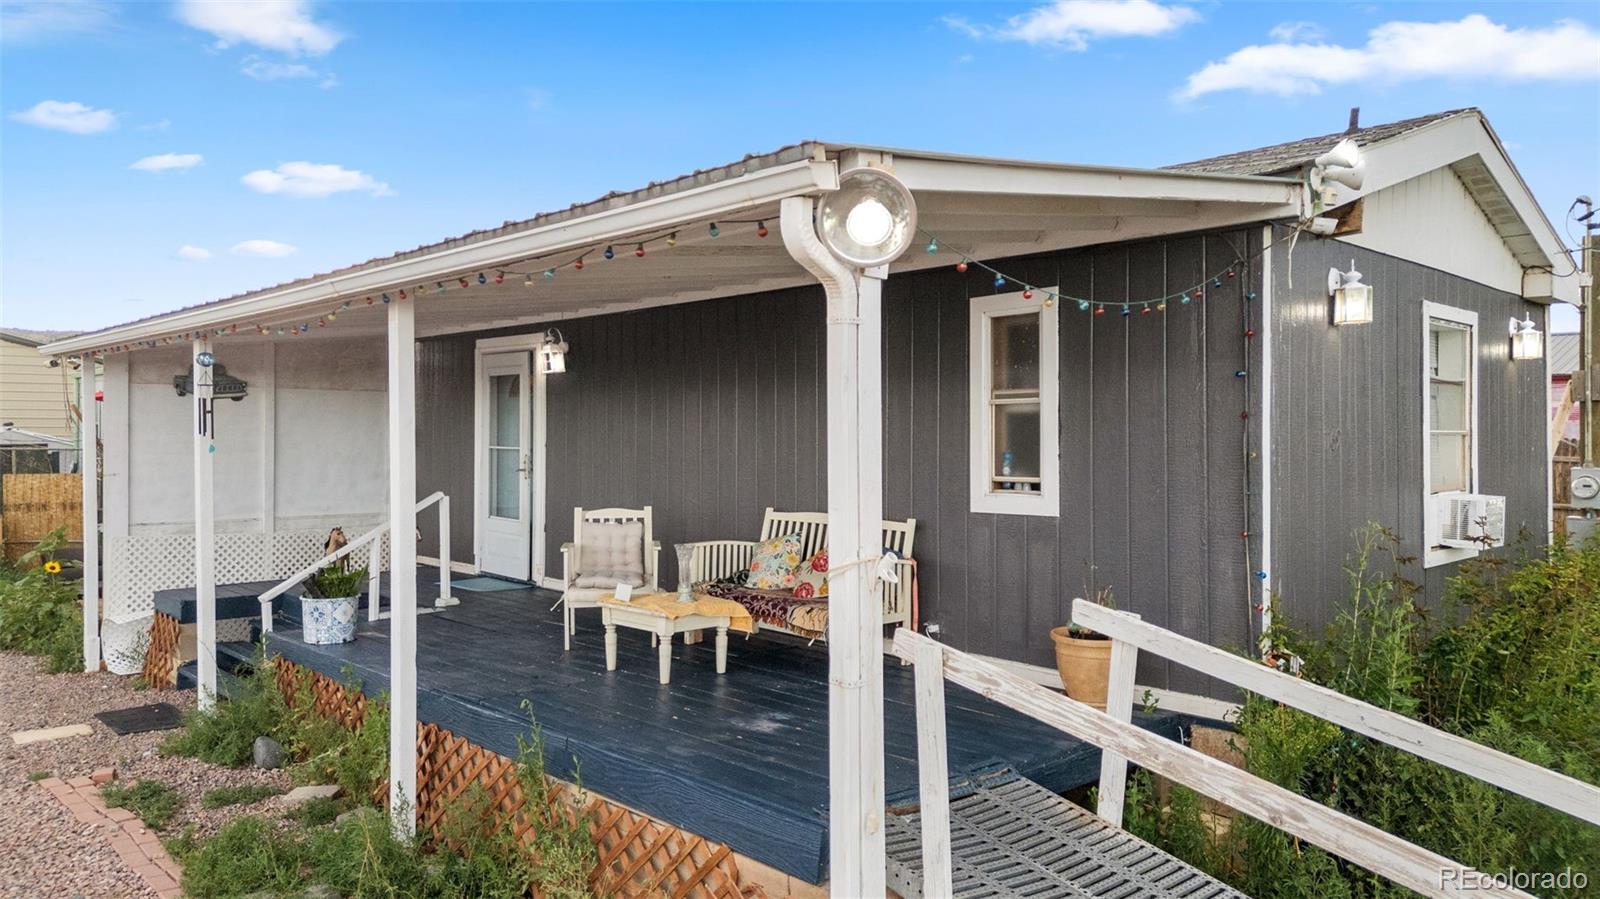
(1450, 415)
(1016, 467)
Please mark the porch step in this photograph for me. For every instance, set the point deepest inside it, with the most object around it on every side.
(1010, 836)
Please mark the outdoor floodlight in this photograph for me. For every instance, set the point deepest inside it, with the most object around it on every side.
(1352, 300)
(1340, 165)
(869, 220)
(1527, 341)
(553, 353)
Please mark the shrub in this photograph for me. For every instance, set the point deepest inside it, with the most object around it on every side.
(40, 612)
(1512, 662)
(153, 801)
(226, 733)
(242, 794)
(248, 855)
(315, 812)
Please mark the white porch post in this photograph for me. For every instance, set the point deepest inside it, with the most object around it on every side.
(855, 522)
(89, 467)
(205, 544)
(402, 565)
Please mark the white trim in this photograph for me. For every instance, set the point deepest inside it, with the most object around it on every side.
(709, 201)
(996, 176)
(1441, 555)
(1047, 502)
(1264, 526)
(1549, 442)
(537, 430)
(265, 386)
(1165, 700)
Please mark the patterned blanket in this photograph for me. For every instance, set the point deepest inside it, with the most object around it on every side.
(778, 608)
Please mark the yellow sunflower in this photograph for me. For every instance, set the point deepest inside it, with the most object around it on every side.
(52, 567)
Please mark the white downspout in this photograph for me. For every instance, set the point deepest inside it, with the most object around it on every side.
(89, 469)
(855, 515)
(205, 542)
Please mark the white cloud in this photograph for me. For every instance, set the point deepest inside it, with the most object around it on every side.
(267, 70)
(266, 249)
(167, 162)
(1074, 23)
(1473, 48)
(30, 20)
(309, 179)
(74, 118)
(1289, 32)
(282, 25)
(198, 254)
(162, 125)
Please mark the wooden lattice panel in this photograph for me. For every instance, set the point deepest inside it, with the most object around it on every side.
(639, 856)
(161, 656)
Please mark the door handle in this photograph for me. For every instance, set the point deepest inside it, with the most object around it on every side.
(527, 465)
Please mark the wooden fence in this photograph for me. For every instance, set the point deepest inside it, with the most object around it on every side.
(33, 505)
(1382, 853)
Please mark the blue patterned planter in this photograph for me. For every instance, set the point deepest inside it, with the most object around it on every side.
(329, 620)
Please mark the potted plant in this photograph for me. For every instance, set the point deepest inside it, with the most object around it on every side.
(1083, 657)
(329, 605)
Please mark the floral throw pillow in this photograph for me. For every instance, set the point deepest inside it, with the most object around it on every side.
(776, 564)
(813, 577)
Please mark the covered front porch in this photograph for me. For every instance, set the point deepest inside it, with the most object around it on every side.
(739, 758)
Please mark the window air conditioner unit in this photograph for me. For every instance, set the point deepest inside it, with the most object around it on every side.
(1467, 520)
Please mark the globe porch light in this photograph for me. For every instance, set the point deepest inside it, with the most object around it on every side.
(1352, 300)
(869, 220)
(1527, 341)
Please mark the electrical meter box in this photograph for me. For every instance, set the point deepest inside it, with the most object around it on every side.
(1586, 488)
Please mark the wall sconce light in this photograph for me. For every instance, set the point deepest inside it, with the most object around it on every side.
(1527, 341)
(1352, 300)
(553, 353)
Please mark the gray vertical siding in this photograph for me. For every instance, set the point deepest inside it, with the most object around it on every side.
(712, 411)
(1347, 418)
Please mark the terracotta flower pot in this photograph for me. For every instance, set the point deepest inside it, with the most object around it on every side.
(1084, 663)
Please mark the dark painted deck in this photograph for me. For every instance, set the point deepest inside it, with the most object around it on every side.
(740, 758)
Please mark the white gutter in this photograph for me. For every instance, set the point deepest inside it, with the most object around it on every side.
(658, 213)
(955, 175)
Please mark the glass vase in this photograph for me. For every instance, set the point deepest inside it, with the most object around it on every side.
(685, 579)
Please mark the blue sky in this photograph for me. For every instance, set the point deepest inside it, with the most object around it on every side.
(154, 155)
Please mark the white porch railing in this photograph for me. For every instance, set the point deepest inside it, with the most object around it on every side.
(374, 597)
(1120, 741)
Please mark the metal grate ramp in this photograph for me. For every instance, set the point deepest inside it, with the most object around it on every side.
(1012, 837)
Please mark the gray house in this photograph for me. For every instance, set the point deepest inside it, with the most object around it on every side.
(1090, 377)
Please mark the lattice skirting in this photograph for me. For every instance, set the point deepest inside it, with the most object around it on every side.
(161, 659)
(639, 856)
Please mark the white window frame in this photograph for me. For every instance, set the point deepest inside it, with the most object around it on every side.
(1444, 555)
(1047, 502)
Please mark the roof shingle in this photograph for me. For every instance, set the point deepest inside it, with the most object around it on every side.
(1294, 154)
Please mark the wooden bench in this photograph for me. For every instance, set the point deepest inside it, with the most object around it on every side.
(718, 559)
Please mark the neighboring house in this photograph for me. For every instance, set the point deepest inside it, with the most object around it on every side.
(1564, 362)
(1151, 395)
(35, 396)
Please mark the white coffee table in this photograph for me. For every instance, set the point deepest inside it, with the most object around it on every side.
(639, 618)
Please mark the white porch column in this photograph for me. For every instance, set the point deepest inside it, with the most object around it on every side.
(855, 522)
(89, 467)
(205, 543)
(402, 565)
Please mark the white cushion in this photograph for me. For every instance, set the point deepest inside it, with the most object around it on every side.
(611, 552)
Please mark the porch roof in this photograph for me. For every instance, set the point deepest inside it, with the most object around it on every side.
(983, 207)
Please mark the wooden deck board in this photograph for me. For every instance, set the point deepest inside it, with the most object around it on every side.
(739, 758)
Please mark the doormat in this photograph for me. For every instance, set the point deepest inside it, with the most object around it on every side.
(485, 585)
(142, 718)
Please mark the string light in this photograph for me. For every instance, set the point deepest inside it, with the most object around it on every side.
(639, 251)
(672, 239)
(713, 230)
(610, 253)
(933, 245)
(761, 229)
(482, 279)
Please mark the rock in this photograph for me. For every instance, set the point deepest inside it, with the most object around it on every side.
(268, 753)
(301, 795)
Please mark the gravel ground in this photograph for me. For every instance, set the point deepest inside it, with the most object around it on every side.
(44, 851)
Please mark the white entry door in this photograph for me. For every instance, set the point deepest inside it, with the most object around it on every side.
(506, 466)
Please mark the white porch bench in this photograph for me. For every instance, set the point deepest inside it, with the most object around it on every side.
(718, 559)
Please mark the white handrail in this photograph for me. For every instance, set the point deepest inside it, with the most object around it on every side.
(1551, 788)
(1354, 840)
(370, 536)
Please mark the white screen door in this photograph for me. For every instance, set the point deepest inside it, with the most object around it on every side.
(505, 449)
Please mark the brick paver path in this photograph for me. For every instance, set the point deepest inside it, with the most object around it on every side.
(139, 847)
